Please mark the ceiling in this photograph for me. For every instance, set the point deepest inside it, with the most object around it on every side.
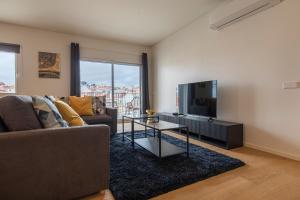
(144, 22)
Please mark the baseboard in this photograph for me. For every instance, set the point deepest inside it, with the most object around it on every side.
(272, 151)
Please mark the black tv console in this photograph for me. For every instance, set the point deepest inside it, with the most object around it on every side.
(220, 133)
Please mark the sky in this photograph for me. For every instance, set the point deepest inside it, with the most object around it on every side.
(7, 67)
(101, 73)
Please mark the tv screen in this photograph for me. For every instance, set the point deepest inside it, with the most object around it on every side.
(198, 98)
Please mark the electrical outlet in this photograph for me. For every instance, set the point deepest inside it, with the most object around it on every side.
(291, 85)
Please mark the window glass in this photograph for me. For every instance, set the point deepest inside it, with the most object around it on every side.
(96, 80)
(7, 72)
(127, 88)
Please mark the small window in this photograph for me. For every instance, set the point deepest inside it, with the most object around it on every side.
(7, 72)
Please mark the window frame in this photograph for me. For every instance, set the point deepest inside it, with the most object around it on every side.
(16, 55)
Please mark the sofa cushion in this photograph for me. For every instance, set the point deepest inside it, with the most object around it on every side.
(99, 104)
(18, 114)
(69, 114)
(82, 105)
(64, 99)
(97, 119)
(51, 98)
(3, 127)
(47, 113)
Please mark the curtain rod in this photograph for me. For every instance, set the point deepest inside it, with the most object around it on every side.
(96, 49)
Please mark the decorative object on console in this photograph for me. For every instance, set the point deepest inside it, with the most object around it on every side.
(150, 114)
(49, 65)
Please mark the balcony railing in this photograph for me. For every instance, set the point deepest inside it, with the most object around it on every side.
(127, 102)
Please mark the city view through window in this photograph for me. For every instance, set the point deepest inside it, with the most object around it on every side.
(120, 83)
(7, 72)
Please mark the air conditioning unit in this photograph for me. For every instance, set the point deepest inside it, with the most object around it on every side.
(236, 10)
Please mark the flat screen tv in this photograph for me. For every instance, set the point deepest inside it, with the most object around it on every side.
(198, 98)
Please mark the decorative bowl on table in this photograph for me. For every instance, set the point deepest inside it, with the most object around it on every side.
(151, 113)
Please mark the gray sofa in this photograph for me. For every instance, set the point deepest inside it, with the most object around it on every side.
(110, 118)
(62, 163)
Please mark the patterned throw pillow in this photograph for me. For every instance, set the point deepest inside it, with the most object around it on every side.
(99, 104)
(47, 113)
(51, 98)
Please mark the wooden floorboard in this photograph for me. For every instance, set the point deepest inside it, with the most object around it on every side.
(265, 177)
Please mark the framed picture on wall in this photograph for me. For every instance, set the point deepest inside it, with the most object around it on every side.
(49, 65)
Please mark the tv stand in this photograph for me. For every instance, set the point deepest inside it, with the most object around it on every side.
(210, 119)
(177, 114)
(220, 133)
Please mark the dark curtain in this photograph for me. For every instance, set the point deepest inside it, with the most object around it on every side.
(75, 70)
(14, 48)
(145, 84)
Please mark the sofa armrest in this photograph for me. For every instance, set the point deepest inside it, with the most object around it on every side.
(62, 163)
(113, 112)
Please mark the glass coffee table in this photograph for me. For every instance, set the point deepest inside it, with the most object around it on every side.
(131, 118)
(154, 143)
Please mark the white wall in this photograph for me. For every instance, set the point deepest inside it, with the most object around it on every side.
(250, 60)
(34, 40)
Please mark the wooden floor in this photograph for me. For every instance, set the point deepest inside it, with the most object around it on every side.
(265, 176)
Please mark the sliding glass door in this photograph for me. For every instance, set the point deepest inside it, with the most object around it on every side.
(120, 83)
(96, 80)
(127, 88)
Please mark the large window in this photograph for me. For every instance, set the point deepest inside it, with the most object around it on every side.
(127, 88)
(120, 83)
(96, 80)
(7, 72)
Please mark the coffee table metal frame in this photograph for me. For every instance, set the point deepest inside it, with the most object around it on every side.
(134, 120)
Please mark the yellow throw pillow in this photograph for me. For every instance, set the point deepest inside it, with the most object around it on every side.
(69, 114)
(82, 105)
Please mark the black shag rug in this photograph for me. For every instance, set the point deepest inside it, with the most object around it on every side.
(136, 174)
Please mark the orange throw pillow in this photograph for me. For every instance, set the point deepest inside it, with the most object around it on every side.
(82, 105)
(69, 114)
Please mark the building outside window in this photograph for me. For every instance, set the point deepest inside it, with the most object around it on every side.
(7, 72)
